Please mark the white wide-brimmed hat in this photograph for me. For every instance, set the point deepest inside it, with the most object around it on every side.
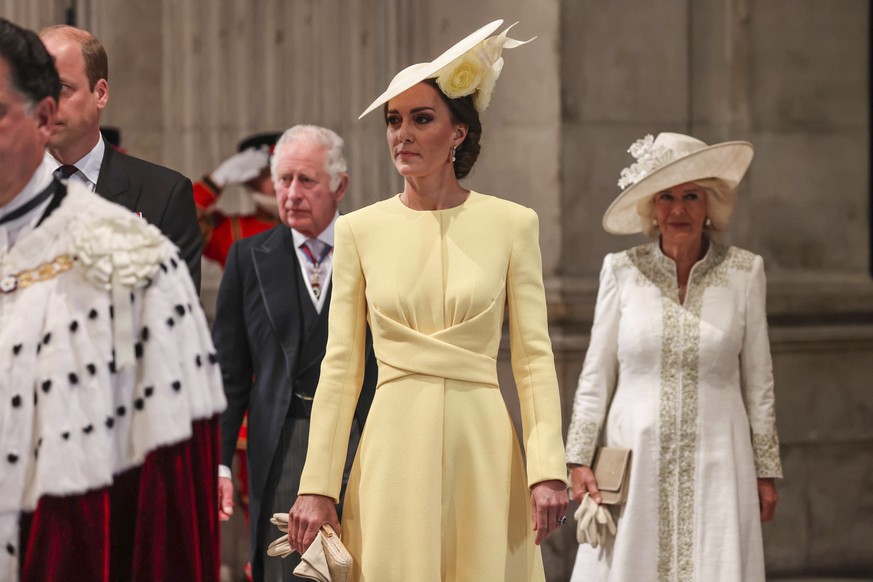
(470, 67)
(669, 160)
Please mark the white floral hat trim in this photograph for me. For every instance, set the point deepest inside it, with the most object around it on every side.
(470, 67)
(649, 158)
(669, 160)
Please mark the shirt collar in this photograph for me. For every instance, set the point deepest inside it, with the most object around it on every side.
(325, 236)
(40, 180)
(90, 163)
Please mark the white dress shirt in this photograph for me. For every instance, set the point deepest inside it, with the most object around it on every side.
(325, 267)
(88, 168)
(17, 228)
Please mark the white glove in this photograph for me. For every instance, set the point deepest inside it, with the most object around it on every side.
(594, 523)
(280, 546)
(241, 167)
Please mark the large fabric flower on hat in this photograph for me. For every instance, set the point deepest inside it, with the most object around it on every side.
(650, 156)
(476, 71)
(464, 75)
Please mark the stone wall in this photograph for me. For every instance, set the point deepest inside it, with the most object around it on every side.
(189, 78)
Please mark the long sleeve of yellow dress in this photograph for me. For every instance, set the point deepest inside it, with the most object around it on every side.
(342, 371)
(533, 363)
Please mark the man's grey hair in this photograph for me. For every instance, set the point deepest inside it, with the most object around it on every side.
(334, 162)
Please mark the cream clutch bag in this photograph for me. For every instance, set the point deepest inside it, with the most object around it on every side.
(594, 523)
(612, 472)
(326, 559)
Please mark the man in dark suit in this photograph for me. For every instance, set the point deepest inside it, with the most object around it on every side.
(95, 476)
(160, 195)
(270, 333)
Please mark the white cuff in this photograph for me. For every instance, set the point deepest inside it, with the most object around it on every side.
(224, 471)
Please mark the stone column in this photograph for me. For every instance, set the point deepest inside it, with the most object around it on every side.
(232, 69)
(34, 15)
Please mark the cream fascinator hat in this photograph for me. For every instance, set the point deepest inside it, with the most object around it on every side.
(471, 67)
(669, 160)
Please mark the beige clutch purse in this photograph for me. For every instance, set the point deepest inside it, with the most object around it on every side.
(594, 522)
(326, 559)
(612, 472)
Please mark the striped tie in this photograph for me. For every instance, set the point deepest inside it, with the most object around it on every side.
(313, 248)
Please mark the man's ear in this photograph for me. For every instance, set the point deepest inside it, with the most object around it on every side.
(44, 112)
(101, 90)
(340, 191)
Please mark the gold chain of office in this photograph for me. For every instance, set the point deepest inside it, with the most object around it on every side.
(44, 272)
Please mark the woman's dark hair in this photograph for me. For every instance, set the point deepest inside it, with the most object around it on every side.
(462, 111)
(32, 70)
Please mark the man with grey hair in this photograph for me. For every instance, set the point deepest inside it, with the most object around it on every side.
(270, 333)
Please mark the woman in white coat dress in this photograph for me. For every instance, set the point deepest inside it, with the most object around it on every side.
(679, 371)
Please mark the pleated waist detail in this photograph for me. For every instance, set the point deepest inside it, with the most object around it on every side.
(455, 353)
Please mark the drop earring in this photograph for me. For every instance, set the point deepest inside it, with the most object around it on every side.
(654, 222)
(453, 153)
(708, 222)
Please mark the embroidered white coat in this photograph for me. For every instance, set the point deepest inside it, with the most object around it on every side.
(689, 388)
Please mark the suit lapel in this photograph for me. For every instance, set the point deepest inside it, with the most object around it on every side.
(275, 265)
(112, 182)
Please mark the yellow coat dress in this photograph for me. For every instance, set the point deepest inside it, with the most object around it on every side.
(438, 490)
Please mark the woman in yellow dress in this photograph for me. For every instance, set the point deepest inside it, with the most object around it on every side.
(438, 490)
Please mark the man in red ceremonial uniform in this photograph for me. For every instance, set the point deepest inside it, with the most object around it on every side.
(249, 167)
(109, 382)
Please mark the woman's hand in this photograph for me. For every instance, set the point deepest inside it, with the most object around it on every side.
(767, 498)
(583, 481)
(306, 518)
(548, 504)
